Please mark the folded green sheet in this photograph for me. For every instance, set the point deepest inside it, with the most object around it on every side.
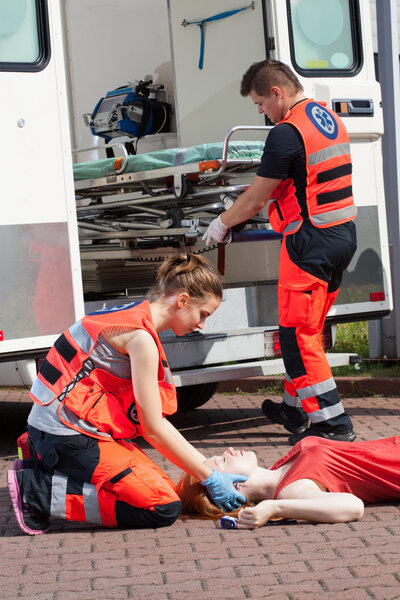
(169, 158)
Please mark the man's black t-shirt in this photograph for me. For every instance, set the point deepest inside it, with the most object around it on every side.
(324, 253)
(285, 158)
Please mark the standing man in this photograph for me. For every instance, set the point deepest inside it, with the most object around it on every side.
(306, 168)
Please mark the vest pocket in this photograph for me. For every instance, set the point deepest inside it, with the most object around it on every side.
(90, 402)
(276, 219)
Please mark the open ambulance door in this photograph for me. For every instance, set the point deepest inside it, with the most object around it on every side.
(40, 275)
(329, 46)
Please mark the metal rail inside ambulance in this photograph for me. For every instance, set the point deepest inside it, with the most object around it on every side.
(124, 133)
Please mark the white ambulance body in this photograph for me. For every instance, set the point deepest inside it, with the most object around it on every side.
(58, 58)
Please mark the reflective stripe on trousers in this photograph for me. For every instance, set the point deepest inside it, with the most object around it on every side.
(305, 397)
(100, 482)
(59, 500)
(309, 384)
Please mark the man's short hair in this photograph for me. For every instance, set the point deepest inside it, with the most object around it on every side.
(263, 75)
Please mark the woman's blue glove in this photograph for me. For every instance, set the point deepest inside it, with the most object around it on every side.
(221, 491)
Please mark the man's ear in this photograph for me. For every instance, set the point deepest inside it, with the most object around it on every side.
(276, 91)
(182, 299)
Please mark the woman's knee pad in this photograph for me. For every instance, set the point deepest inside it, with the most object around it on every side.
(162, 515)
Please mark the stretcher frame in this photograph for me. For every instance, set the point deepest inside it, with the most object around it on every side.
(206, 169)
(189, 189)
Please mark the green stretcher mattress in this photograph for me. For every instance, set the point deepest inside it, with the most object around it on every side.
(168, 158)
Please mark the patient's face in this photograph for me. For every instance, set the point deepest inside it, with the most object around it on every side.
(233, 461)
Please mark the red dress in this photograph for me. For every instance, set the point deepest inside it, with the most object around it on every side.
(369, 470)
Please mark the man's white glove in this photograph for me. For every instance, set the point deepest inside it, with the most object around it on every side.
(217, 231)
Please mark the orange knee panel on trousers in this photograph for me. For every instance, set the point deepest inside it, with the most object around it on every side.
(74, 508)
(124, 474)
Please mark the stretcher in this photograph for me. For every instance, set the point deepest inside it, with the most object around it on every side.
(163, 198)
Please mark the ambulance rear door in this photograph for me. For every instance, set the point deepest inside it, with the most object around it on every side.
(40, 274)
(329, 45)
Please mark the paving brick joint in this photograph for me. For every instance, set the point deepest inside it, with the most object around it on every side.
(194, 559)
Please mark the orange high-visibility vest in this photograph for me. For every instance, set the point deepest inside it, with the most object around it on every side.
(329, 193)
(96, 402)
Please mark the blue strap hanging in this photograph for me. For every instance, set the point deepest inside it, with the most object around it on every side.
(200, 23)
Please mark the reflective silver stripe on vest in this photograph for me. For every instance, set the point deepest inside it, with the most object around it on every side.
(81, 337)
(292, 226)
(291, 401)
(91, 504)
(42, 392)
(167, 372)
(67, 415)
(331, 216)
(326, 413)
(58, 496)
(330, 152)
(317, 389)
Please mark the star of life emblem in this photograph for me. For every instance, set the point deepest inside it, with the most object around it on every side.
(322, 120)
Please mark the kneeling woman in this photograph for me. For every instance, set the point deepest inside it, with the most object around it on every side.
(105, 381)
(318, 480)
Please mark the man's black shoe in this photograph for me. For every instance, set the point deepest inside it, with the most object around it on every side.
(275, 412)
(347, 435)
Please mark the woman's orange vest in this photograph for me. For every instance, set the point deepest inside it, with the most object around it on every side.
(329, 193)
(95, 402)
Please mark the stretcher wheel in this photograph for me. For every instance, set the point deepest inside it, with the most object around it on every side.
(175, 215)
(193, 396)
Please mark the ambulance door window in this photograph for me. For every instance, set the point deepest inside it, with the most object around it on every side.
(24, 35)
(325, 37)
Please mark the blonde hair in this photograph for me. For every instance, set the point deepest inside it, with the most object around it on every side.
(190, 273)
(196, 502)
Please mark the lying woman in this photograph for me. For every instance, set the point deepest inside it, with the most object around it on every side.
(318, 480)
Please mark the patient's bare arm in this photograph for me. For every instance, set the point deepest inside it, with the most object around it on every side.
(303, 502)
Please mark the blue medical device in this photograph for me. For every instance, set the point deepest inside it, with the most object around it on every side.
(134, 110)
(229, 522)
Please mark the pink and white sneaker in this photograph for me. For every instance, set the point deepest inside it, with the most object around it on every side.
(28, 519)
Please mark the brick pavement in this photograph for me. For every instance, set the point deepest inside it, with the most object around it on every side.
(196, 560)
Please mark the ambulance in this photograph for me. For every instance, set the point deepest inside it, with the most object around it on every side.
(124, 134)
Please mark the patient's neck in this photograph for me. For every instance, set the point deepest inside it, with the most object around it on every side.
(262, 483)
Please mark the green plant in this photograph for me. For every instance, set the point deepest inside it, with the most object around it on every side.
(369, 368)
(352, 337)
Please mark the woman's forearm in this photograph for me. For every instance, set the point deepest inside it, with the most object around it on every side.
(329, 508)
(177, 450)
(173, 429)
(163, 437)
(322, 508)
(250, 202)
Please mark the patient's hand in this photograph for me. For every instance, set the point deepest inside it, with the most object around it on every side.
(256, 516)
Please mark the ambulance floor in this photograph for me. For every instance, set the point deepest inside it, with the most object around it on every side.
(194, 559)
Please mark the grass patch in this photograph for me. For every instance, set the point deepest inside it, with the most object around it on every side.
(352, 337)
(369, 368)
(271, 390)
